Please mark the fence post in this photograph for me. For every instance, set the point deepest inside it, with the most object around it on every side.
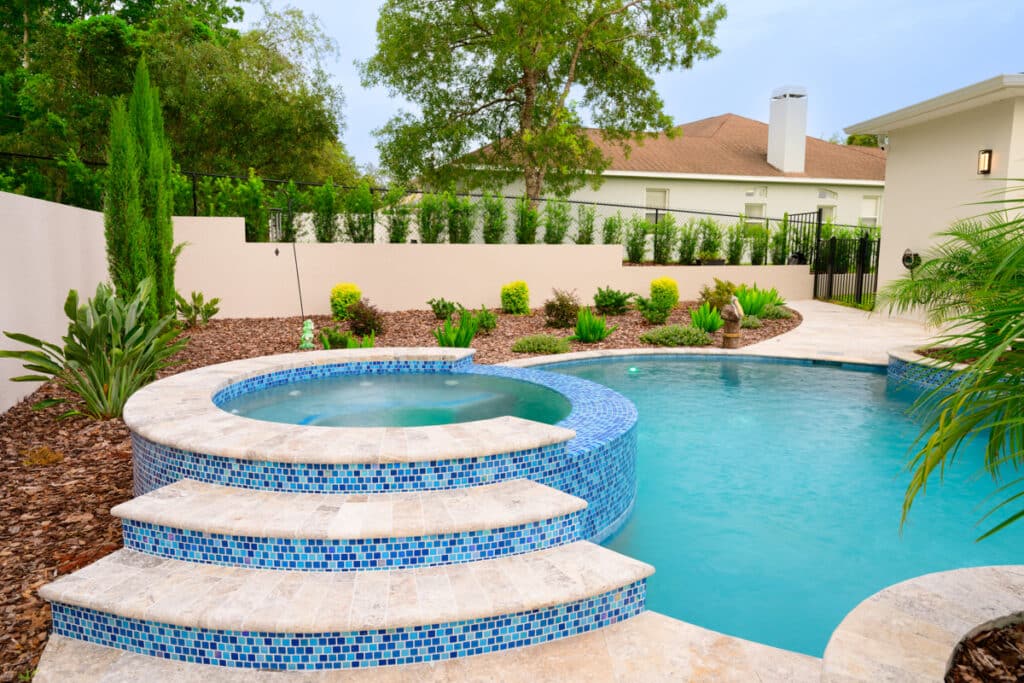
(862, 249)
(657, 217)
(832, 244)
(195, 193)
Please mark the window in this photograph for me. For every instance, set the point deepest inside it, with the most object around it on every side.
(656, 199)
(754, 213)
(828, 213)
(825, 193)
(869, 210)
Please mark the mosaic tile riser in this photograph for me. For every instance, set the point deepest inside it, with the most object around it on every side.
(918, 375)
(294, 651)
(305, 554)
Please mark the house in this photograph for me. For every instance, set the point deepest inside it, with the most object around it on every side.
(944, 155)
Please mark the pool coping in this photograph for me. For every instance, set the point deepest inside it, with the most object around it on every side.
(695, 351)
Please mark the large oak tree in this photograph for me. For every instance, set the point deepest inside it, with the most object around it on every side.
(513, 78)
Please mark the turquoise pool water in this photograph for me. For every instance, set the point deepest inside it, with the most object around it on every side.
(400, 400)
(769, 495)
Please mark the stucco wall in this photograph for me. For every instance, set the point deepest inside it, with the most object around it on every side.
(46, 249)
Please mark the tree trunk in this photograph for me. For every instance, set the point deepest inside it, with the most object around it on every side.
(24, 36)
(533, 175)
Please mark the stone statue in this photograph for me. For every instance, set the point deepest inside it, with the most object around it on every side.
(732, 314)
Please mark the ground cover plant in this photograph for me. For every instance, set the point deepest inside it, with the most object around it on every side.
(333, 338)
(541, 344)
(676, 335)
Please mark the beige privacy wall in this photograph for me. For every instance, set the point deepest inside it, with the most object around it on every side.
(259, 280)
(46, 249)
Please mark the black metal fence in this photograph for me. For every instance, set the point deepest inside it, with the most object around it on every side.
(846, 270)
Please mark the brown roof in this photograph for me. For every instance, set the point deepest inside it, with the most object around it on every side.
(734, 145)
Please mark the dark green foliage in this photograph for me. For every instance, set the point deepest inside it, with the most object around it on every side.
(636, 239)
(494, 218)
(458, 336)
(720, 296)
(585, 220)
(754, 300)
(610, 301)
(776, 312)
(109, 351)
(252, 204)
(706, 318)
(432, 219)
(689, 237)
(364, 318)
(751, 322)
(399, 216)
(561, 309)
(515, 298)
(676, 335)
(461, 219)
(862, 140)
(611, 229)
(759, 239)
(780, 241)
(122, 217)
(486, 320)
(359, 214)
(196, 310)
(526, 220)
(591, 328)
(735, 237)
(325, 211)
(442, 308)
(292, 202)
(651, 312)
(710, 245)
(666, 236)
(541, 343)
(556, 221)
(333, 338)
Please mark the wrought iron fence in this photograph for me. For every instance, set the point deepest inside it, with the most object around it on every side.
(846, 270)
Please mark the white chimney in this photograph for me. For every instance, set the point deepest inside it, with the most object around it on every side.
(787, 129)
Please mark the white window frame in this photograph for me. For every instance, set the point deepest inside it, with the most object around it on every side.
(870, 221)
(828, 213)
(755, 220)
(650, 216)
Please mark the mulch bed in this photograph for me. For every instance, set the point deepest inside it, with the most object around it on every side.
(995, 656)
(59, 479)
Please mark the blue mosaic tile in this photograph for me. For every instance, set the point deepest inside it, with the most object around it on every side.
(318, 554)
(313, 651)
(919, 376)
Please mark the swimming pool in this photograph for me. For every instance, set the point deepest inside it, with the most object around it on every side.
(769, 494)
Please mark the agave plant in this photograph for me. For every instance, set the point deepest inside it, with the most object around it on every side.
(109, 351)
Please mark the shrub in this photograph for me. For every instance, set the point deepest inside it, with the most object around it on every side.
(666, 235)
(689, 236)
(636, 240)
(754, 300)
(676, 335)
(486, 319)
(398, 214)
(591, 328)
(526, 220)
(364, 318)
(556, 221)
(325, 209)
(664, 293)
(332, 338)
(706, 318)
(343, 295)
(734, 239)
(494, 218)
(561, 309)
(359, 221)
(751, 322)
(773, 312)
(541, 343)
(611, 229)
(515, 298)
(458, 336)
(710, 246)
(585, 218)
(780, 241)
(461, 219)
(442, 308)
(196, 310)
(720, 296)
(610, 301)
(431, 218)
(109, 351)
(758, 244)
(653, 314)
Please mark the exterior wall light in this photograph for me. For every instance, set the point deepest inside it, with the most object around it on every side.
(985, 161)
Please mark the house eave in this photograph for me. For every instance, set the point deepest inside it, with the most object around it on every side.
(784, 180)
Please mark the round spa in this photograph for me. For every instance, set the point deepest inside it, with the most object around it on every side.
(379, 420)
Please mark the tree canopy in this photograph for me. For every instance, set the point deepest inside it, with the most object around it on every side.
(515, 78)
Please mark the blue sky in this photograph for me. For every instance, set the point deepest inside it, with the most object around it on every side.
(857, 58)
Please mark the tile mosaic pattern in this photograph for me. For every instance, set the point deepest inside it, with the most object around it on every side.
(917, 375)
(304, 651)
(318, 554)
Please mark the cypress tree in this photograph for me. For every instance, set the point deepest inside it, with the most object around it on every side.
(127, 245)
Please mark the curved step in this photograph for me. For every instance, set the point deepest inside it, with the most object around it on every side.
(208, 523)
(267, 619)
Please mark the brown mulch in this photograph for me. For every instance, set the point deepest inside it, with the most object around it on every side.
(59, 479)
(995, 656)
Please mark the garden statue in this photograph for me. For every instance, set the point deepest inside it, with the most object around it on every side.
(306, 342)
(732, 314)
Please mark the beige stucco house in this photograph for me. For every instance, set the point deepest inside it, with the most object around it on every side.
(937, 151)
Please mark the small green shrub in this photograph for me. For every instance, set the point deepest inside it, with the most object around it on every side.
(515, 298)
(664, 293)
(751, 322)
(458, 336)
(486, 319)
(494, 218)
(773, 312)
(461, 219)
(636, 240)
(556, 221)
(720, 296)
(197, 310)
(754, 300)
(432, 219)
(676, 335)
(611, 229)
(758, 236)
(343, 295)
(364, 318)
(442, 308)
(585, 218)
(561, 309)
(689, 237)
(358, 205)
(331, 338)
(526, 221)
(399, 218)
(652, 313)
(541, 343)
(706, 318)
(325, 209)
(610, 301)
(780, 241)
(666, 236)
(710, 246)
(591, 328)
(735, 237)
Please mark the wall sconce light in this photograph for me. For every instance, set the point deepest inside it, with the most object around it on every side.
(911, 260)
(985, 161)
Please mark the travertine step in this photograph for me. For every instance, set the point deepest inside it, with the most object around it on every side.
(208, 523)
(258, 618)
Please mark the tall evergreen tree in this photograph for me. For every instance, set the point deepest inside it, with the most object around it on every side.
(127, 252)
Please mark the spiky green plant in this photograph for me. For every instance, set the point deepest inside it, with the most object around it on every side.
(591, 328)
